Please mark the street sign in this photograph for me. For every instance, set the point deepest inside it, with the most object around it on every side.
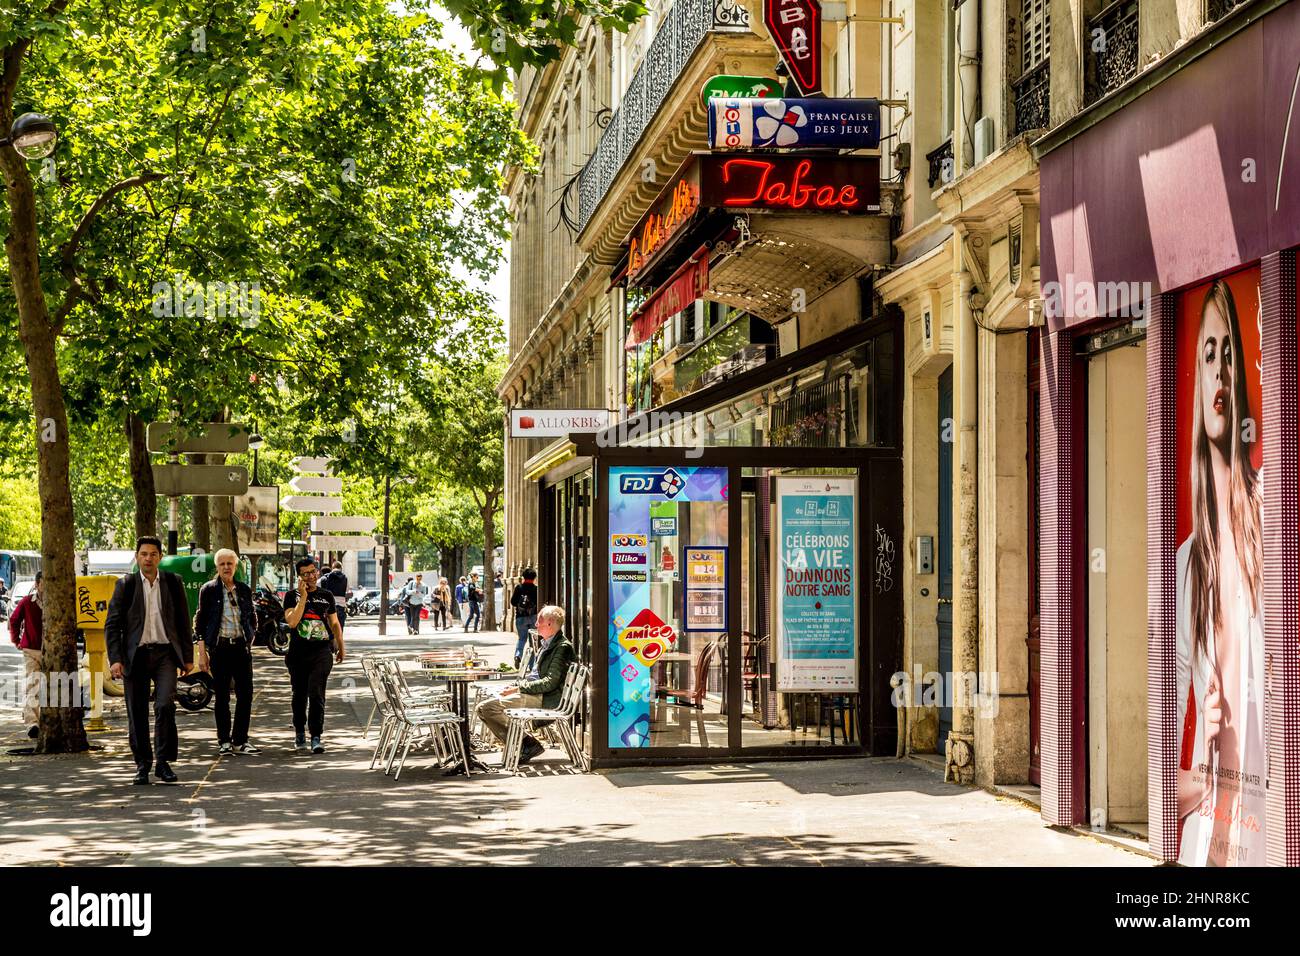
(341, 542)
(175, 480)
(319, 504)
(340, 523)
(557, 422)
(751, 123)
(209, 438)
(317, 484)
(796, 28)
(319, 466)
(380, 553)
(732, 86)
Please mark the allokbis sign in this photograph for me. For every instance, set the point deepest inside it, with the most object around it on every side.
(557, 422)
(796, 28)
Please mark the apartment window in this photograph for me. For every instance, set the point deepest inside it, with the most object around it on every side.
(1036, 19)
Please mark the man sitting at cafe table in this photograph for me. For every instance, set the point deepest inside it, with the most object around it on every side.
(540, 687)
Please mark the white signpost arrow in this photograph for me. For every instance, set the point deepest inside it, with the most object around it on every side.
(317, 484)
(319, 466)
(319, 504)
(341, 542)
(341, 524)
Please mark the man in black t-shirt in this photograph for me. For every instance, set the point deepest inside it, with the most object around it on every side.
(312, 654)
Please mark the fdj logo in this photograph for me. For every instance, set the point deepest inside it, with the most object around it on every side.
(667, 483)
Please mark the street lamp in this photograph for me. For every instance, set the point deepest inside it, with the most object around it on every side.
(388, 553)
(32, 136)
(255, 442)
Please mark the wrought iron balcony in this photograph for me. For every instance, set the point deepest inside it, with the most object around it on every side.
(941, 164)
(680, 34)
(1218, 9)
(1112, 42)
(1033, 98)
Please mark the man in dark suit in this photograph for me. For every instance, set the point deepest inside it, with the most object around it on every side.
(149, 638)
(542, 686)
(224, 626)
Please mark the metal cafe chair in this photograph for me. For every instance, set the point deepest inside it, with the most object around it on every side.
(485, 689)
(421, 696)
(440, 727)
(525, 719)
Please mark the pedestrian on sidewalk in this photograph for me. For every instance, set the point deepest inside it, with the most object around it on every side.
(460, 599)
(474, 595)
(414, 593)
(540, 687)
(441, 601)
(149, 638)
(524, 601)
(315, 646)
(336, 582)
(25, 632)
(224, 627)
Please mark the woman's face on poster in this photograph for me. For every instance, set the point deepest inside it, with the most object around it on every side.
(1217, 368)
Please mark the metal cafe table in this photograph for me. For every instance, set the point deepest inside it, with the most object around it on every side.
(458, 680)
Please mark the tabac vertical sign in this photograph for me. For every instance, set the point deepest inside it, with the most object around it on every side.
(796, 28)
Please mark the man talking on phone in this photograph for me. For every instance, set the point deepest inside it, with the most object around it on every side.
(315, 646)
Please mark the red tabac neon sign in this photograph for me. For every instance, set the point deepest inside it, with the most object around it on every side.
(759, 183)
(796, 28)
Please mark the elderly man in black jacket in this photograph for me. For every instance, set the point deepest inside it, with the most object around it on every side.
(540, 687)
(149, 639)
(224, 628)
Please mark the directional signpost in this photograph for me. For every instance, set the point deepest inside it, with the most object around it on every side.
(317, 484)
(175, 479)
(338, 523)
(317, 504)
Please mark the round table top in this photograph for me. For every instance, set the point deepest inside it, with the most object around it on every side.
(459, 673)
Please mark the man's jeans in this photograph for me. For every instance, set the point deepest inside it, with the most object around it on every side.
(475, 618)
(522, 626)
(309, 663)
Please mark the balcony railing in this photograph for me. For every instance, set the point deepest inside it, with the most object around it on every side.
(1033, 99)
(1112, 44)
(680, 34)
(1218, 9)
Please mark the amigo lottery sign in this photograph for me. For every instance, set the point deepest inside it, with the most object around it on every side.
(817, 589)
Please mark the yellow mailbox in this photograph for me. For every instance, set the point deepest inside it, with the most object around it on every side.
(93, 594)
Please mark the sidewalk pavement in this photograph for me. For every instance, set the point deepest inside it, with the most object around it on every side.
(282, 808)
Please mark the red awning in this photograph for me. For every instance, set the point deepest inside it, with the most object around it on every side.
(688, 283)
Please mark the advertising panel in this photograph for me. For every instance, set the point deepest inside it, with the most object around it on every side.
(637, 635)
(257, 512)
(1222, 758)
(816, 607)
(783, 123)
(706, 590)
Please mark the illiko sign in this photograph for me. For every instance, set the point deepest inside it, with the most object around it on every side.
(557, 422)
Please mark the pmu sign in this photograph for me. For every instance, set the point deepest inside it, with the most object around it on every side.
(796, 28)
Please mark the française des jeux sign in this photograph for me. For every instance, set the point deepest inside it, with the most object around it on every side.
(756, 123)
(790, 182)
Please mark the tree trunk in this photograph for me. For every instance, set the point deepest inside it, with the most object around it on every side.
(142, 487)
(222, 510)
(489, 546)
(202, 534)
(61, 728)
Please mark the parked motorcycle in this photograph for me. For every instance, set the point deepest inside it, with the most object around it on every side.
(272, 631)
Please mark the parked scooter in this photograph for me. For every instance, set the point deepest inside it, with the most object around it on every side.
(272, 631)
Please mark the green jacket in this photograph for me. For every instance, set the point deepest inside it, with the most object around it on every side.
(552, 669)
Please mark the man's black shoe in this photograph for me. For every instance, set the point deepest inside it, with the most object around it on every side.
(141, 778)
(532, 748)
(164, 773)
